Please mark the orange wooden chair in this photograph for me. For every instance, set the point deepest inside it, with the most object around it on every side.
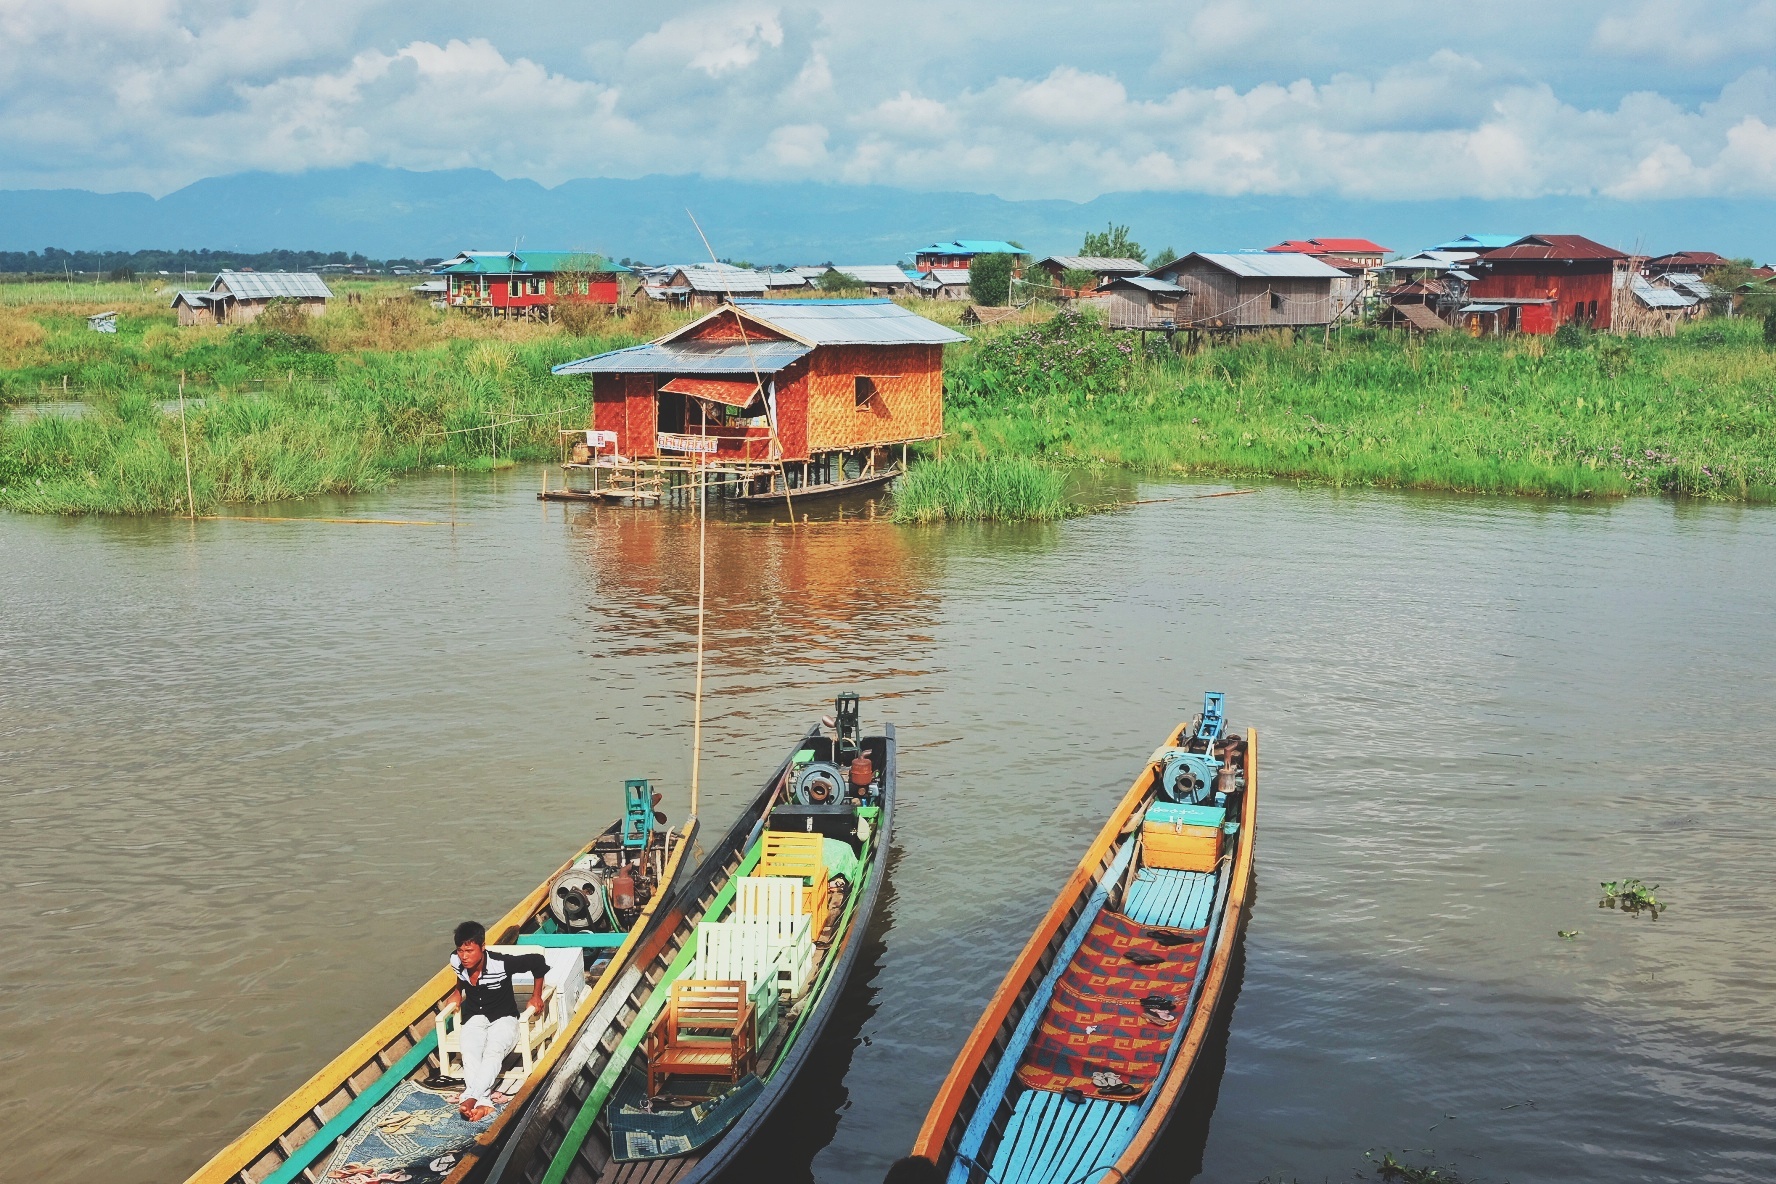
(803, 856)
(705, 1031)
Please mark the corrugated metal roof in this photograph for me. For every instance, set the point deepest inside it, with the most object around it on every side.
(1477, 242)
(1103, 264)
(1329, 246)
(811, 273)
(1555, 247)
(269, 285)
(849, 322)
(725, 281)
(1691, 259)
(194, 299)
(527, 263)
(1653, 296)
(784, 279)
(1695, 285)
(1483, 307)
(949, 275)
(972, 246)
(692, 357)
(1264, 265)
(1146, 283)
(874, 273)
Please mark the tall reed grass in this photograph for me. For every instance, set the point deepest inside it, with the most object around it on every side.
(1005, 489)
(343, 402)
(1694, 414)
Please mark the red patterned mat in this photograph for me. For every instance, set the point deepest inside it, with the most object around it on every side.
(1100, 1021)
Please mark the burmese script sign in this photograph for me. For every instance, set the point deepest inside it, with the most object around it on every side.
(672, 443)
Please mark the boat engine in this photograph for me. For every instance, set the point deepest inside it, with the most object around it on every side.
(817, 784)
(577, 898)
(1187, 777)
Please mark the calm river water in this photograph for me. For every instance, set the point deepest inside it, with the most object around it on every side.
(251, 774)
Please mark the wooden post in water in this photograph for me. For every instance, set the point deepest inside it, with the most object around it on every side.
(185, 438)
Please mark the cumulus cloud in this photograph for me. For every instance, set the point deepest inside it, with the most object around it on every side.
(1042, 100)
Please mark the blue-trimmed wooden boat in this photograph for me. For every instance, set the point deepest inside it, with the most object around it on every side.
(1084, 1050)
(613, 1113)
(329, 1115)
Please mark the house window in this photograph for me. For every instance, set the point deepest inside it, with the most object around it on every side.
(865, 390)
(585, 287)
(1276, 301)
(536, 287)
(1591, 312)
(1578, 310)
(511, 288)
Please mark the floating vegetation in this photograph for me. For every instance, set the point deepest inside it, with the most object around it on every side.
(1391, 1169)
(1569, 934)
(1011, 489)
(1631, 896)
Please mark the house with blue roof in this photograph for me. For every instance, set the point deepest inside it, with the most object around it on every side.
(529, 284)
(957, 254)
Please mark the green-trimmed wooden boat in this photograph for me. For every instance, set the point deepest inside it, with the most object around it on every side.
(1075, 1067)
(629, 1103)
(305, 1132)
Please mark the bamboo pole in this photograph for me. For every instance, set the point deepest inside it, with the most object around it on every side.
(185, 438)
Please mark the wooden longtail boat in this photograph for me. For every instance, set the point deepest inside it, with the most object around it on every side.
(712, 1021)
(393, 1073)
(1084, 1050)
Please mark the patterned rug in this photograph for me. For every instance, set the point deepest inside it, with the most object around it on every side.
(644, 1129)
(415, 1134)
(1106, 1017)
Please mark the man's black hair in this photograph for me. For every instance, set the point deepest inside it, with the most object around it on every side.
(470, 931)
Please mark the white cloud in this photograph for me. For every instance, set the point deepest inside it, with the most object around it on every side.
(1209, 95)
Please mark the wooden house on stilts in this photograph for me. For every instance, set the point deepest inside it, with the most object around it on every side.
(765, 397)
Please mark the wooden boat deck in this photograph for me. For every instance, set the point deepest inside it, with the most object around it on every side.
(1170, 899)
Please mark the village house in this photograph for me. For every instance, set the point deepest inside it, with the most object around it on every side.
(1102, 267)
(1654, 309)
(1701, 263)
(528, 283)
(1248, 290)
(1478, 244)
(943, 283)
(1359, 251)
(1543, 281)
(881, 279)
(238, 297)
(1140, 302)
(958, 254)
(709, 286)
(827, 384)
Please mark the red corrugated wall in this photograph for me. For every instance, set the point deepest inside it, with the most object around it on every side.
(1567, 286)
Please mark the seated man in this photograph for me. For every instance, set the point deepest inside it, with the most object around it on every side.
(489, 1026)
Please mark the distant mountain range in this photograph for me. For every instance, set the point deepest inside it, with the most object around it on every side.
(387, 213)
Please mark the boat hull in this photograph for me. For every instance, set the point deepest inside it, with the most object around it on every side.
(559, 1120)
(283, 1145)
(978, 1075)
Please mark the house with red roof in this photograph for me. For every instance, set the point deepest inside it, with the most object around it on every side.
(1542, 281)
(1689, 262)
(1358, 250)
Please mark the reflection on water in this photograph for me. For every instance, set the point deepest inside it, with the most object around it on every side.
(253, 772)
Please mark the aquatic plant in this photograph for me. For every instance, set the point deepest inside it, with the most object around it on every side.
(1612, 418)
(976, 489)
(1631, 896)
(1391, 1169)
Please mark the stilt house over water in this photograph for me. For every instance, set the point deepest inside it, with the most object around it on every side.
(238, 297)
(829, 384)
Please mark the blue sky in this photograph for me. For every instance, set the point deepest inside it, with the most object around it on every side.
(1375, 100)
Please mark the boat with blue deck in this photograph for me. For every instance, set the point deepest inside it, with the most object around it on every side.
(1076, 1065)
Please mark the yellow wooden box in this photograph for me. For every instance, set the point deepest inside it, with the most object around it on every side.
(1181, 848)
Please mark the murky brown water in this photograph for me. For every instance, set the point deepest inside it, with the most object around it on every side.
(250, 774)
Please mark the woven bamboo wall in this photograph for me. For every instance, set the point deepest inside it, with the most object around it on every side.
(792, 411)
(641, 416)
(907, 404)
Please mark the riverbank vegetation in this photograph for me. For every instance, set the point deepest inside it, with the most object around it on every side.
(972, 489)
(1583, 416)
(288, 407)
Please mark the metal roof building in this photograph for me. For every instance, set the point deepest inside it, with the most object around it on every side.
(772, 380)
(270, 285)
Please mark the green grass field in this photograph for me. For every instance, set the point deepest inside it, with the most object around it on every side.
(387, 385)
(339, 403)
(1602, 416)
